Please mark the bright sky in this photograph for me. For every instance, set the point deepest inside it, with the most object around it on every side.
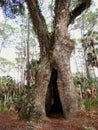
(96, 3)
(9, 53)
(1, 17)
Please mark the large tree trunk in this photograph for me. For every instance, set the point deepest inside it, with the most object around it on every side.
(65, 83)
(43, 78)
(34, 103)
(52, 92)
(62, 53)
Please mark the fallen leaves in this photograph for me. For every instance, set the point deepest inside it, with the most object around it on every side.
(83, 120)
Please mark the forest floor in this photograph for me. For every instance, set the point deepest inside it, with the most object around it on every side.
(82, 121)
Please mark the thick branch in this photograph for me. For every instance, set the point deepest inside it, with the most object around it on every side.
(78, 10)
(39, 26)
(61, 7)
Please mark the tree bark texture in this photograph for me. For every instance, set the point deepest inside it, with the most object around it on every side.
(37, 101)
(61, 55)
(42, 81)
(63, 88)
(34, 103)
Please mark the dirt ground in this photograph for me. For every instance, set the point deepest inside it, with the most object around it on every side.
(82, 121)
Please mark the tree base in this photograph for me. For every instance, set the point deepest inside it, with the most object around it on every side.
(35, 124)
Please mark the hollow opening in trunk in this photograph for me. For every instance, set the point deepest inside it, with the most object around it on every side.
(53, 104)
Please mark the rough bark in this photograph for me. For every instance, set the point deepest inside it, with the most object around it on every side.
(61, 52)
(34, 103)
(65, 82)
(39, 26)
(79, 9)
(42, 82)
(37, 101)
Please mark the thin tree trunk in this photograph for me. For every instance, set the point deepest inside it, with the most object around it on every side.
(28, 62)
(86, 64)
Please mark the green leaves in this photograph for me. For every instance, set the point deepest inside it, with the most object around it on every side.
(5, 61)
(5, 65)
(95, 35)
(2, 32)
(34, 64)
(8, 27)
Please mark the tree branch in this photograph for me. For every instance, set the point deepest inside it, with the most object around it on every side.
(61, 6)
(39, 26)
(78, 10)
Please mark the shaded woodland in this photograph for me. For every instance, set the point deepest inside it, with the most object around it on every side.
(54, 72)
